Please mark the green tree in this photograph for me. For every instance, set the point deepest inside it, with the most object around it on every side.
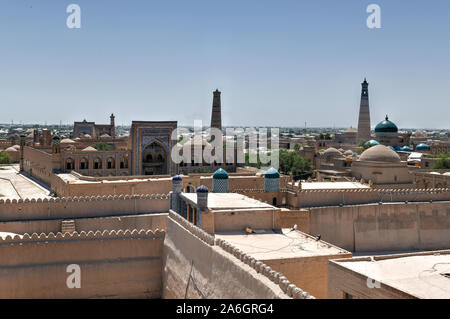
(100, 146)
(443, 162)
(292, 163)
(5, 158)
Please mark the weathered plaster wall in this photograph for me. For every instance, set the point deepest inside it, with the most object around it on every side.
(113, 265)
(389, 227)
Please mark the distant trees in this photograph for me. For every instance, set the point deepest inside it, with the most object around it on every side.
(100, 146)
(324, 136)
(443, 162)
(5, 158)
(292, 163)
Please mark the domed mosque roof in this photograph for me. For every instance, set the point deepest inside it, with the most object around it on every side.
(17, 147)
(422, 147)
(331, 151)
(348, 153)
(11, 149)
(380, 153)
(386, 127)
(220, 174)
(67, 141)
(272, 173)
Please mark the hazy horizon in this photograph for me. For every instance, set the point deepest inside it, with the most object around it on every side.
(277, 64)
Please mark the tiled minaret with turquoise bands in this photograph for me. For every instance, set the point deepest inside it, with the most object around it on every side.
(364, 114)
(216, 117)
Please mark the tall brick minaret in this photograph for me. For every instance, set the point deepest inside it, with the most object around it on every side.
(364, 114)
(216, 117)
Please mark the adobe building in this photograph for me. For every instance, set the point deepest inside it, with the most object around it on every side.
(403, 276)
(94, 130)
(382, 166)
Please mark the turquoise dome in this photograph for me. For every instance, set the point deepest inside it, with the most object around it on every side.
(398, 148)
(386, 127)
(406, 149)
(220, 174)
(371, 143)
(272, 173)
(422, 147)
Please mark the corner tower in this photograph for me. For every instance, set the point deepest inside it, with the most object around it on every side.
(216, 117)
(364, 113)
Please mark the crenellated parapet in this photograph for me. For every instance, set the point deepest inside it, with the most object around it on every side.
(82, 207)
(84, 199)
(91, 235)
(379, 190)
(198, 232)
(278, 278)
(334, 197)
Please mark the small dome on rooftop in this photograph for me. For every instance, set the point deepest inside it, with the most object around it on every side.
(177, 178)
(423, 147)
(220, 174)
(89, 149)
(11, 149)
(67, 141)
(272, 173)
(202, 189)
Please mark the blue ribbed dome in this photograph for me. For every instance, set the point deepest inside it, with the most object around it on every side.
(177, 178)
(220, 174)
(202, 189)
(398, 148)
(422, 147)
(386, 127)
(272, 173)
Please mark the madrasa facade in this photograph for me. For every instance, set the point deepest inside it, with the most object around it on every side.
(96, 150)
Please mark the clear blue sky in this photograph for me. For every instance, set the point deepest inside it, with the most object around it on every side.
(277, 63)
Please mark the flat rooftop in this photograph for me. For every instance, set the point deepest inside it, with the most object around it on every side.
(228, 201)
(72, 179)
(17, 186)
(422, 275)
(331, 185)
(280, 244)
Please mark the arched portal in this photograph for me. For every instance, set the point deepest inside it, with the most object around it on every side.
(154, 160)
